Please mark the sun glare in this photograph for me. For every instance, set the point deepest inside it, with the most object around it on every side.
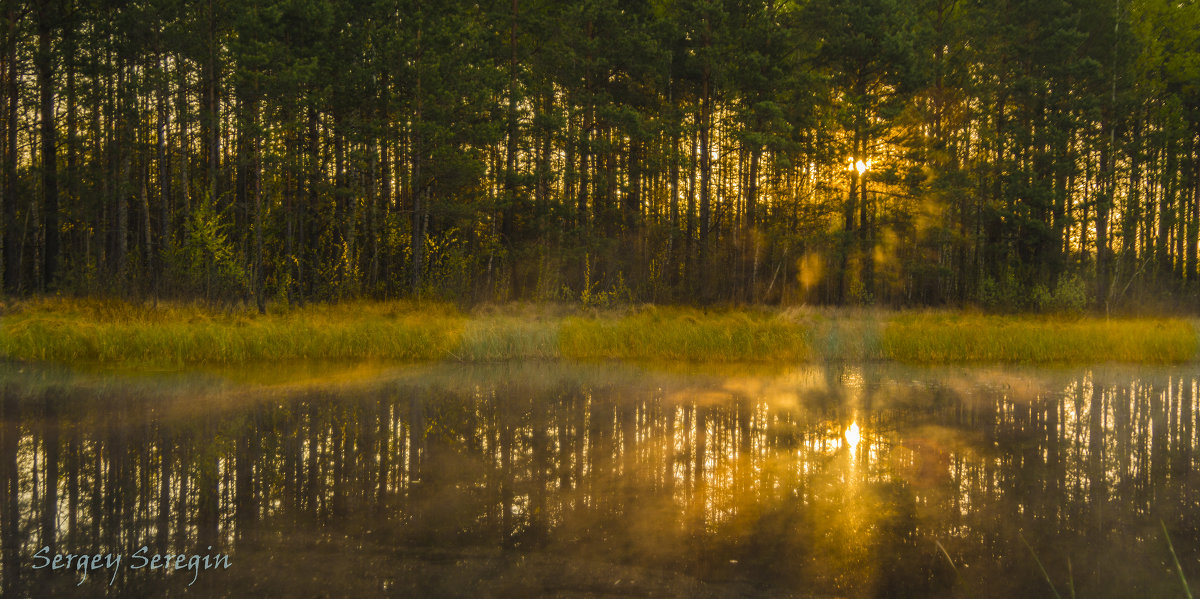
(852, 435)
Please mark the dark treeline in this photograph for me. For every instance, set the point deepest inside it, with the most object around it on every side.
(1013, 153)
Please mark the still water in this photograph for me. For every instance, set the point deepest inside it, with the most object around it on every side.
(569, 480)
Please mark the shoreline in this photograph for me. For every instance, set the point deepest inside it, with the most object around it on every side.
(169, 334)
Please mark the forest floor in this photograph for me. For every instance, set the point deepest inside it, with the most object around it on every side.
(168, 334)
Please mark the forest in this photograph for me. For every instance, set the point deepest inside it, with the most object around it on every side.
(1012, 154)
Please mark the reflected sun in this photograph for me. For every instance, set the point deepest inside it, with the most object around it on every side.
(852, 434)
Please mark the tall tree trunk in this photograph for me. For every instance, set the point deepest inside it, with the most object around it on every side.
(1166, 204)
(849, 234)
(673, 208)
(47, 24)
(848, 228)
(339, 252)
(143, 175)
(12, 264)
(511, 206)
(1103, 204)
(633, 197)
(382, 205)
(72, 141)
(259, 295)
(1193, 232)
(585, 179)
(570, 176)
(1131, 216)
(417, 185)
(705, 180)
(310, 216)
(241, 168)
(866, 231)
(184, 141)
(212, 99)
(689, 239)
(164, 174)
(752, 188)
(124, 139)
(1182, 208)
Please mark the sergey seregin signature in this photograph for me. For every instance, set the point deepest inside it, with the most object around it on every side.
(142, 559)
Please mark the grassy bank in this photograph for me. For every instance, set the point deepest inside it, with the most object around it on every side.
(171, 335)
(686, 334)
(946, 338)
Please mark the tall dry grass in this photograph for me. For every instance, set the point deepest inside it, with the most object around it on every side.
(686, 334)
(176, 334)
(936, 338)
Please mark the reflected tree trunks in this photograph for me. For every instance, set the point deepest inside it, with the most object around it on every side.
(678, 474)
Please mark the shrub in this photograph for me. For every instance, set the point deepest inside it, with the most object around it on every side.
(1070, 296)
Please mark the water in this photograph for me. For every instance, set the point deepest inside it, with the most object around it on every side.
(592, 480)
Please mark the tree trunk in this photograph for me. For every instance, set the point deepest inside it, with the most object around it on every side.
(259, 296)
(47, 23)
(1166, 206)
(511, 205)
(1193, 232)
(213, 105)
(705, 182)
(12, 264)
(164, 176)
(417, 185)
(1103, 204)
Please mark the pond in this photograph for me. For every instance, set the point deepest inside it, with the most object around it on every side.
(584, 480)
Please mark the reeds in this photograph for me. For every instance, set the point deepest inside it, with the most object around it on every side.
(502, 337)
(686, 334)
(174, 334)
(938, 338)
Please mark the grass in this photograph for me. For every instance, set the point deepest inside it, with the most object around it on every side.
(686, 334)
(505, 337)
(1042, 569)
(174, 335)
(1187, 588)
(938, 338)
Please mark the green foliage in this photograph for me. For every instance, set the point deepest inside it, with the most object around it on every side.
(207, 259)
(695, 151)
(1070, 296)
(1002, 294)
(592, 297)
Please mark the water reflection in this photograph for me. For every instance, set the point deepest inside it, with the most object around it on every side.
(530, 479)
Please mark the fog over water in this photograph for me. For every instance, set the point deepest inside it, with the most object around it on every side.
(574, 480)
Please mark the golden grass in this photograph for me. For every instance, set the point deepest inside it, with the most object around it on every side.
(686, 334)
(174, 335)
(937, 338)
(496, 338)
